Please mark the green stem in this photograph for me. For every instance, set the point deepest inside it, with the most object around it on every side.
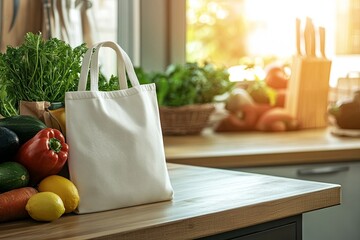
(55, 144)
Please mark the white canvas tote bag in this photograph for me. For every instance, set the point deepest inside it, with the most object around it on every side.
(116, 152)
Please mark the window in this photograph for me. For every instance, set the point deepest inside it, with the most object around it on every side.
(227, 30)
(163, 27)
(104, 15)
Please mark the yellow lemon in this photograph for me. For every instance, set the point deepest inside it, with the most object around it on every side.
(45, 206)
(63, 187)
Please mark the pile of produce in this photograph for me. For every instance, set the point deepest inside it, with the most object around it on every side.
(32, 156)
(272, 89)
(260, 105)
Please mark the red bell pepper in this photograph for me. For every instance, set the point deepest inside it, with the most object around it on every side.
(43, 155)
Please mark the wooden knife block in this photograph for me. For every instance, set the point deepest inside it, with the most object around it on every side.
(308, 90)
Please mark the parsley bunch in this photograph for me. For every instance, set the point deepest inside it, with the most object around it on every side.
(38, 70)
(190, 83)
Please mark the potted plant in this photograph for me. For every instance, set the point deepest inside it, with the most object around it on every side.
(186, 95)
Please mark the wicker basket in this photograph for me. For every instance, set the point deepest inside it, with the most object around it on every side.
(185, 120)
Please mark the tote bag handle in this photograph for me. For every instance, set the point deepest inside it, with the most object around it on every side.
(92, 56)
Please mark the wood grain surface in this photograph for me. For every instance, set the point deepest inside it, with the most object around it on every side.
(248, 149)
(207, 201)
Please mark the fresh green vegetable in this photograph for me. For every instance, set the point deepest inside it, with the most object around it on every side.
(13, 175)
(189, 83)
(261, 93)
(112, 83)
(107, 85)
(25, 127)
(184, 83)
(38, 70)
(9, 144)
(8, 103)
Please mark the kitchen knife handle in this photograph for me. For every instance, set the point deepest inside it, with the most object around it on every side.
(309, 36)
(312, 39)
(322, 41)
(298, 36)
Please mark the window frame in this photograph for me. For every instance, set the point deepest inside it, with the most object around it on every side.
(160, 37)
(128, 35)
(153, 32)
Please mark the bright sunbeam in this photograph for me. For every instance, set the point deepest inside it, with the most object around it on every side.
(274, 24)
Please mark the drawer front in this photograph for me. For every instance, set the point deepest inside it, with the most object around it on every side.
(286, 232)
(338, 222)
(283, 229)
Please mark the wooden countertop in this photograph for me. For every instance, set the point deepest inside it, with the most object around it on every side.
(207, 201)
(248, 149)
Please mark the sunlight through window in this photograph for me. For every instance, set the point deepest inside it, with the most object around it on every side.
(226, 31)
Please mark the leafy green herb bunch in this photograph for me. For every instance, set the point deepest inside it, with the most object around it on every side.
(190, 83)
(38, 70)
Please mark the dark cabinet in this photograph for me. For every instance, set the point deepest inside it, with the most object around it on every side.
(283, 229)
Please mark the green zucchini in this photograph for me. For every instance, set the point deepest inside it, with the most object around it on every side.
(24, 126)
(9, 144)
(13, 175)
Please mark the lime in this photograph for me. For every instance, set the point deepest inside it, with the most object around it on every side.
(45, 206)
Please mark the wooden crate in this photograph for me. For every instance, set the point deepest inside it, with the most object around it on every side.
(308, 90)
